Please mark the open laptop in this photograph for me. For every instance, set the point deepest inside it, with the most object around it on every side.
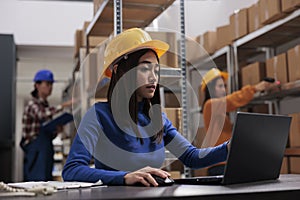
(257, 148)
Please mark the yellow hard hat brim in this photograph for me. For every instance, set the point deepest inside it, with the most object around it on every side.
(158, 46)
(224, 75)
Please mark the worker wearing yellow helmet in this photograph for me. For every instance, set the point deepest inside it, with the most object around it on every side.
(128, 134)
(217, 105)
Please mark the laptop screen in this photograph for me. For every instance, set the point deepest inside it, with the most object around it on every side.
(257, 147)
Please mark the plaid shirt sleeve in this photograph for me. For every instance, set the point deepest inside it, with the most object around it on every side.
(34, 114)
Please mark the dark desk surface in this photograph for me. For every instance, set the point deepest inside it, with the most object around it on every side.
(286, 187)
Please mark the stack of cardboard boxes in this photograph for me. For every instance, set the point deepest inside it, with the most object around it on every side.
(243, 22)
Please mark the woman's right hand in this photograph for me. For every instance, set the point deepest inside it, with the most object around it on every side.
(144, 177)
(264, 86)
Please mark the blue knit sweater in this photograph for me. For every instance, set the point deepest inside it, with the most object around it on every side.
(117, 151)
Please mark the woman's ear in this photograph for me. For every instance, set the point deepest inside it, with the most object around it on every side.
(115, 68)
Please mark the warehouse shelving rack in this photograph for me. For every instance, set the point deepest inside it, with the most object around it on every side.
(262, 44)
(108, 19)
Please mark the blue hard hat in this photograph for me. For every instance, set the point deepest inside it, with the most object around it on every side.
(44, 75)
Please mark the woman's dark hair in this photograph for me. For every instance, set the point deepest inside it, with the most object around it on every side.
(209, 91)
(124, 65)
(35, 92)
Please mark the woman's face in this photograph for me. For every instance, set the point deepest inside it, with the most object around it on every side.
(147, 76)
(220, 88)
(44, 88)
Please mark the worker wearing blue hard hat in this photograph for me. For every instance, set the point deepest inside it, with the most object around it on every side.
(36, 142)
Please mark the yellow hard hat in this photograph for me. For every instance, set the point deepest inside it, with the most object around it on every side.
(129, 41)
(211, 75)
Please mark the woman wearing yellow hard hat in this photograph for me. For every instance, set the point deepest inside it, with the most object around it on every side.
(217, 105)
(128, 134)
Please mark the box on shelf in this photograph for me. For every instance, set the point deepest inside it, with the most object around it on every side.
(239, 23)
(284, 166)
(276, 67)
(260, 108)
(93, 40)
(224, 36)
(171, 100)
(77, 42)
(293, 57)
(194, 49)
(270, 11)
(90, 71)
(289, 5)
(253, 73)
(210, 41)
(175, 174)
(170, 59)
(294, 136)
(174, 115)
(253, 18)
(295, 165)
(97, 4)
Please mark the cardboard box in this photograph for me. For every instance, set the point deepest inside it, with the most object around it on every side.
(93, 40)
(174, 115)
(276, 67)
(295, 165)
(253, 73)
(289, 5)
(270, 11)
(284, 166)
(77, 42)
(239, 23)
(293, 59)
(261, 108)
(294, 137)
(194, 50)
(171, 100)
(210, 41)
(90, 72)
(253, 18)
(97, 4)
(224, 36)
(170, 58)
